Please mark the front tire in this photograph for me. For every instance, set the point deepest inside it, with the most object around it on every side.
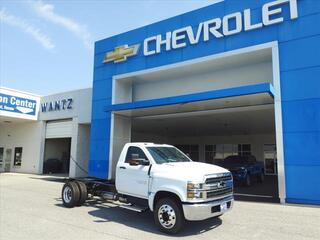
(168, 216)
(70, 194)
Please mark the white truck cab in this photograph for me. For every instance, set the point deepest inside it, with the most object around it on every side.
(161, 178)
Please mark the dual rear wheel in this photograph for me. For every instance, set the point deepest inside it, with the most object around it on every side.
(74, 193)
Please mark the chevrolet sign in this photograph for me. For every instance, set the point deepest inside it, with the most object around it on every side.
(216, 28)
(219, 27)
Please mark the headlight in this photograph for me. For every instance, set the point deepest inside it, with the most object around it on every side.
(194, 186)
(194, 190)
(194, 195)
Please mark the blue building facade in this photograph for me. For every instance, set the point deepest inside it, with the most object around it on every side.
(295, 31)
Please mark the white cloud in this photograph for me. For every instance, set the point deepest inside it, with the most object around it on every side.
(47, 12)
(26, 27)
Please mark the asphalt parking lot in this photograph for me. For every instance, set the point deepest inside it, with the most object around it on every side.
(31, 208)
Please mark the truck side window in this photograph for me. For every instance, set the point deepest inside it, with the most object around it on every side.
(135, 153)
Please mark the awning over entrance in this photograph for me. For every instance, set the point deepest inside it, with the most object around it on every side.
(246, 96)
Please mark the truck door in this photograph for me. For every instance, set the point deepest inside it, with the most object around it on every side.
(131, 179)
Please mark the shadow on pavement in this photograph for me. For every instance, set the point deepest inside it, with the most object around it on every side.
(51, 178)
(110, 212)
(144, 221)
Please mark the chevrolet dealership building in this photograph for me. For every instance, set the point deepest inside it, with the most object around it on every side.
(233, 78)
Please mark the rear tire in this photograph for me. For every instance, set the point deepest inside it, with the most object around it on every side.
(70, 194)
(168, 216)
(83, 193)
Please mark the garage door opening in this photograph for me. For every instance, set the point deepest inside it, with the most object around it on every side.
(239, 139)
(228, 132)
(57, 156)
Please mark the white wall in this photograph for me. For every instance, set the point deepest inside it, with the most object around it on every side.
(122, 91)
(167, 84)
(120, 135)
(226, 78)
(81, 106)
(82, 152)
(28, 136)
(148, 137)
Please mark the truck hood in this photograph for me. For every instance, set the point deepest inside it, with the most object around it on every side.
(188, 171)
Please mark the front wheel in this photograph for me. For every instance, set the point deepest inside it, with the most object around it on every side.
(168, 216)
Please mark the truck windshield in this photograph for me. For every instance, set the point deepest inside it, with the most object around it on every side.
(167, 154)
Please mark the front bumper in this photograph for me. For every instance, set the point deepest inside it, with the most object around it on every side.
(202, 211)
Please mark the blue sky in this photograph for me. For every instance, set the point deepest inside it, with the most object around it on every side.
(47, 46)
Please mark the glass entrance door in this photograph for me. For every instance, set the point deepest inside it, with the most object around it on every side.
(270, 159)
(7, 161)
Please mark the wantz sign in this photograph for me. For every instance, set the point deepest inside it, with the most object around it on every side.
(234, 23)
(58, 105)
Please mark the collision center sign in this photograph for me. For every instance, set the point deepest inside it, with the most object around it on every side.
(16, 104)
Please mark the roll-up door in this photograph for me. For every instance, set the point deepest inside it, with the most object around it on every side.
(59, 129)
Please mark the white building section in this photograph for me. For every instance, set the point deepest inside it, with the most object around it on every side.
(43, 135)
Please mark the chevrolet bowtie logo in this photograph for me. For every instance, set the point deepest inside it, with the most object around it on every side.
(121, 53)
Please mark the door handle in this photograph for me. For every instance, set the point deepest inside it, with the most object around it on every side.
(122, 167)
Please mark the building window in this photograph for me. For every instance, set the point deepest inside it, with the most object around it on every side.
(17, 156)
(192, 151)
(217, 152)
(270, 159)
(244, 149)
(1, 156)
(210, 153)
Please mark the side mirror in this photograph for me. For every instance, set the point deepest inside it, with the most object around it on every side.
(144, 162)
(139, 161)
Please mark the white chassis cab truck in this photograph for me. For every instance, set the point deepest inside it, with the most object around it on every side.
(162, 179)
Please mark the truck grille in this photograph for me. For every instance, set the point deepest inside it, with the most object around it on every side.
(219, 192)
(219, 186)
(218, 179)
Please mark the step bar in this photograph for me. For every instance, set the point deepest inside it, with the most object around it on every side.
(134, 208)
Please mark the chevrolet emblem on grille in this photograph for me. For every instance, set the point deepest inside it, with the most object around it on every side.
(121, 53)
(221, 184)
